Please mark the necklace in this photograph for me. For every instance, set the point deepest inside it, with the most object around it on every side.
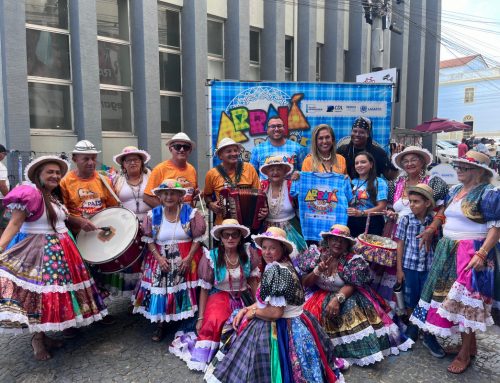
(326, 158)
(275, 204)
(171, 246)
(461, 194)
(136, 194)
(229, 262)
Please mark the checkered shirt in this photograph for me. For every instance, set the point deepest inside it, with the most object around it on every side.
(292, 152)
(413, 257)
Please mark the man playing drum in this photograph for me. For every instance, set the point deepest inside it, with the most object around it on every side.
(84, 193)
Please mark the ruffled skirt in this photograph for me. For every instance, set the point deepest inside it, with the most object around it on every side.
(455, 300)
(45, 285)
(286, 350)
(168, 296)
(198, 351)
(362, 333)
(123, 283)
(292, 229)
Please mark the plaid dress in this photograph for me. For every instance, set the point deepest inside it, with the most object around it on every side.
(293, 348)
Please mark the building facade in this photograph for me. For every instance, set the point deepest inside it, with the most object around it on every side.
(469, 91)
(133, 72)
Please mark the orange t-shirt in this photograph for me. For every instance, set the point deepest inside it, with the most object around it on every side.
(214, 182)
(340, 166)
(186, 176)
(85, 196)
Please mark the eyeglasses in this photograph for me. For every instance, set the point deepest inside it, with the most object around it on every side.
(234, 235)
(178, 147)
(462, 168)
(275, 126)
(130, 160)
(412, 161)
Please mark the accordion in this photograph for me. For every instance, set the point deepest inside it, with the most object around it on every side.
(243, 204)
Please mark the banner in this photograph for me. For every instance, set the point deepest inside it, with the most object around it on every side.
(240, 110)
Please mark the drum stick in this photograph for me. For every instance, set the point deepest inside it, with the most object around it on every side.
(201, 203)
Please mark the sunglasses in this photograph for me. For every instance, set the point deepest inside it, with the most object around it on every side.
(234, 235)
(178, 147)
(462, 168)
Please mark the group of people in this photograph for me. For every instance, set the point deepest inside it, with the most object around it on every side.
(261, 304)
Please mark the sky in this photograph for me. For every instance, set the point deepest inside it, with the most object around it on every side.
(472, 24)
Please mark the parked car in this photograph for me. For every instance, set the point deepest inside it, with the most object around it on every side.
(453, 142)
(445, 152)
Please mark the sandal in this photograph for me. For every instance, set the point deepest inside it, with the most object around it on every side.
(159, 334)
(458, 366)
(39, 349)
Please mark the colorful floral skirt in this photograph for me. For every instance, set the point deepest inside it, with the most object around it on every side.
(168, 296)
(455, 300)
(198, 351)
(287, 350)
(293, 233)
(363, 333)
(45, 285)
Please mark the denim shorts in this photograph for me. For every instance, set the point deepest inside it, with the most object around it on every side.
(414, 283)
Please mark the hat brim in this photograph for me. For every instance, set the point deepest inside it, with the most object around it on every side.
(425, 154)
(423, 192)
(217, 151)
(259, 238)
(267, 166)
(157, 191)
(216, 230)
(171, 141)
(326, 234)
(92, 151)
(118, 159)
(30, 169)
(492, 172)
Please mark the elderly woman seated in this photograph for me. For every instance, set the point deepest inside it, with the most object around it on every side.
(353, 315)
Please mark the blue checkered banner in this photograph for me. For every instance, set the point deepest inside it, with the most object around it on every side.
(240, 110)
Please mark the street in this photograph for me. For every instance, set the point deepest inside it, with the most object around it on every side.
(123, 352)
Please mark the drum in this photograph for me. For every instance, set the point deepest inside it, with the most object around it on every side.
(116, 245)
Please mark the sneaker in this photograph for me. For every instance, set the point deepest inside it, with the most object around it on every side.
(430, 342)
(412, 332)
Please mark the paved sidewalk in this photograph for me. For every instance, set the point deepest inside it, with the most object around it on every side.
(124, 353)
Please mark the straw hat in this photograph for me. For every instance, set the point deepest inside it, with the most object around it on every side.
(29, 171)
(224, 143)
(421, 152)
(276, 234)
(273, 161)
(85, 147)
(425, 190)
(338, 231)
(169, 184)
(229, 223)
(181, 137)
(131, 150)
(477, 159)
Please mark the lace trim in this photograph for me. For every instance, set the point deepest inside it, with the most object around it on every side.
(165, 317)
(147, 239)
(79, 321)
(205, 285)
(19, 206)
(367, 360)
(491, 224)
(256, 273)
(346, 339)
(206, 253)
(405, 346)
(201, 238)
(451, 332)
(171, 290)
(459, 293)
(41, 289)
(276, 301)
(464, 324)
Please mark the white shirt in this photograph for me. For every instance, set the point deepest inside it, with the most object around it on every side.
(4, 176)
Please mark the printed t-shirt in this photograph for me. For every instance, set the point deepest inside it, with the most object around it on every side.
(323, 201)
(214, 182)
(186, 176)
(339, 167)
(361, 198)
(85, 197)
(292, 153)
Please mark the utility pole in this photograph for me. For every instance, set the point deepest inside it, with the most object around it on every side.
(378, 15)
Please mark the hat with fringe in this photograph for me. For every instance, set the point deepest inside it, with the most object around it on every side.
(421, 152)
(131, 150)
(477, 159)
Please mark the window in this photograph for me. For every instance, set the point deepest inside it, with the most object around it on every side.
(170, 69)
(48, 64)
(215, 41)
(318, 61)
(469, 95)
(115, 72)
(254, 55)
(288, 58)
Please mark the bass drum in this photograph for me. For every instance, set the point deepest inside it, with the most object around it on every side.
(117, 247)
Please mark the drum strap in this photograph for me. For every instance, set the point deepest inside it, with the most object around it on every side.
(101, 177)
(237, 177)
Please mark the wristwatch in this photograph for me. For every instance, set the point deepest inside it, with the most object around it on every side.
(340, 297)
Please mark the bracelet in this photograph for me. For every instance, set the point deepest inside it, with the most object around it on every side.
(200, 318)
(440, 217)
(480, 255)
(254, 311)
(483, 251)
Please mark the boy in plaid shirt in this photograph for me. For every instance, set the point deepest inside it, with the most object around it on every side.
(413, 259)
